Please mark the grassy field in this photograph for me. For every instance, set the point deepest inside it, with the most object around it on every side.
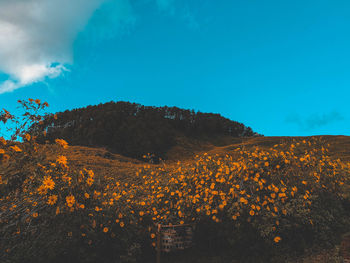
(244, 193)
(101, 160)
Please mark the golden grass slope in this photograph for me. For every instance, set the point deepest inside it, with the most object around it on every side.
(101, 160)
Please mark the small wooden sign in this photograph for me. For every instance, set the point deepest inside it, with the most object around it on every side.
(173, 237)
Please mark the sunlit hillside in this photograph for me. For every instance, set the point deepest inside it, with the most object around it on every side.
(102, 160)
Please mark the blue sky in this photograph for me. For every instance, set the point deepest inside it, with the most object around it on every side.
(280, 67)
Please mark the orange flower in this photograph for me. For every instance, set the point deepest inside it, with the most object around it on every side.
(2, 141)
(35, 214)
(42, 189)
(16, 148)
(243, 200)
(91, 173)
(62, 143)
(105, 230)
(62, 160)
(89, 181)
(70, 200)
(277, 239)
(27, 136)
(52, 199)
(48, 183)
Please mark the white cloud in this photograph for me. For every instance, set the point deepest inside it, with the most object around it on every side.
(36, 37)
(8, 86)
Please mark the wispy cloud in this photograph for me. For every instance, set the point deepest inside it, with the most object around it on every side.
(112, 18)
(314, 121)
(36, 38)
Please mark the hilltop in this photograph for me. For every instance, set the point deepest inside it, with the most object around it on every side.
(134, 130)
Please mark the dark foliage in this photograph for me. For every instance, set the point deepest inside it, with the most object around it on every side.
(134, 130)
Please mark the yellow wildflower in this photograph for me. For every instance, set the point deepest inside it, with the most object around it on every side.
(52, 199)
(3, 141)
(27, 136)
(277, 239)
(62, 160)
(16, 148)
(62, 143)
(48, 183)
(70, 200)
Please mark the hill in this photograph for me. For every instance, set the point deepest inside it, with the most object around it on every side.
(104, 162)
(134, 130)
(251, 199)
(244, 194)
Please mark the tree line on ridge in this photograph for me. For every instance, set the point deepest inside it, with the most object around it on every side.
(134, 130)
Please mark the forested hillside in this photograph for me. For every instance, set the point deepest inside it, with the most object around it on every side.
(134, 130)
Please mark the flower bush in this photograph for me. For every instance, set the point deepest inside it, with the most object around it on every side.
(260, 202)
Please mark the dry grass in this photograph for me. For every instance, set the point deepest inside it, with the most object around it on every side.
(107, 163)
